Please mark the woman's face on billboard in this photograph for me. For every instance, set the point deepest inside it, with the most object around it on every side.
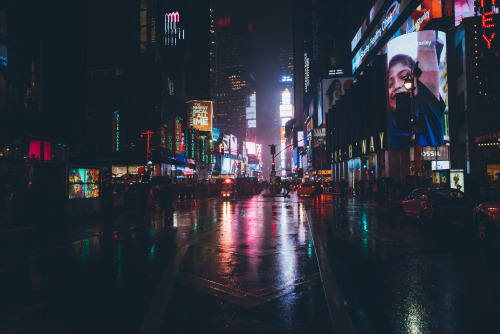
(395, 82)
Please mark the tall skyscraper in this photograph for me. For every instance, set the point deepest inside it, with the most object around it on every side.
(230, 76)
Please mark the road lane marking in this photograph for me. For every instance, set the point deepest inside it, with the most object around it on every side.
(339, 316)
(156, 312)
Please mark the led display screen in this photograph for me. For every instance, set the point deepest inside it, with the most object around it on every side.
(234, 145)
(83, 183)
(226, 165)
(429, 49)
(333, 89)
(463, 9)
(300, 138)
(284, 120)
(251, 123)
(250, 148)
(320, 104)
(225, 141)
(286, 110)
(251, 112)
(215, 134)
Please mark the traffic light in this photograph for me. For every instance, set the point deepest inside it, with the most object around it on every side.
(221, 148)
(273, 165)
(273, 149)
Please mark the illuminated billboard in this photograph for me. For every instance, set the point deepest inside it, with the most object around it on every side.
(234, 145)
(425, 11)
(286, 78)
(226, 139)
(431, 93)
(251, 113)
(319, 99)
(250, 148)
(226, 165)
(253, 100)
(83, 183)
(286, 110)
(284, 120)
(173, 33)
(4, 61)
(251, 123)
(286, 97)
(200, 115)
(300, 138)
(215, 134)
(333, 89)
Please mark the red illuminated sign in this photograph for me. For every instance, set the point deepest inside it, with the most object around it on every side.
(224, 22)
(487, 22)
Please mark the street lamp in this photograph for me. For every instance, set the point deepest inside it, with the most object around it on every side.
(409, 84)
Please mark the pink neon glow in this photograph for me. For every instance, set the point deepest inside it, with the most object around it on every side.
(35, 149)
(172, 17)
(224, 22)
(47, 150)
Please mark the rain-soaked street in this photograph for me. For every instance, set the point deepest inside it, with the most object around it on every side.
(256, 265)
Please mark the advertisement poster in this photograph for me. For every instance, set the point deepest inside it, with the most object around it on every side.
(431, 89)
(234, 145)
(225, 141)
(200, 115)
(457, 179)
(333, 89)
(321, 113)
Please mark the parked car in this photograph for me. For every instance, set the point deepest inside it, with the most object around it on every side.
(438, 204)
(305, 189)
(487, 219)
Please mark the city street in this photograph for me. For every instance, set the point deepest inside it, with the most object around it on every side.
(255, 265)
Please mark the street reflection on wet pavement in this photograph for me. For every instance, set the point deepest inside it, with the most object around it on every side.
(254, 265)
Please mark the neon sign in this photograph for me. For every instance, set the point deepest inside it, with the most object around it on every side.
(224, 22)
(173, 33)
(487, 22)
(116, 130)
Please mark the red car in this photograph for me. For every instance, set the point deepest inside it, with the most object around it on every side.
(305, 189)
(438, 204)
(487, 220)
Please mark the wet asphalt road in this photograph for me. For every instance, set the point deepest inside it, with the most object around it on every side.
(251, 266)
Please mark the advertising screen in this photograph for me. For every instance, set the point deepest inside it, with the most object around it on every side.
(431, 89)
(286, 97)
(463, 8)
(284, 120)
(286, 110)
(251, 123)
(83, 183)
(457, 179)
(333, 89)
(251, 112)
(320, 104)
(215, 134)
(200, 115)
(234, 145)
(300, 138)
(226, 166)
(226, 139)
(250, 148)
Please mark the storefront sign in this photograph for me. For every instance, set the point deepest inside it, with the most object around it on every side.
(487, 137)
(487, 22)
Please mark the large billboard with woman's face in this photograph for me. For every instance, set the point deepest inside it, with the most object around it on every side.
(333, 89)
(428, 48)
